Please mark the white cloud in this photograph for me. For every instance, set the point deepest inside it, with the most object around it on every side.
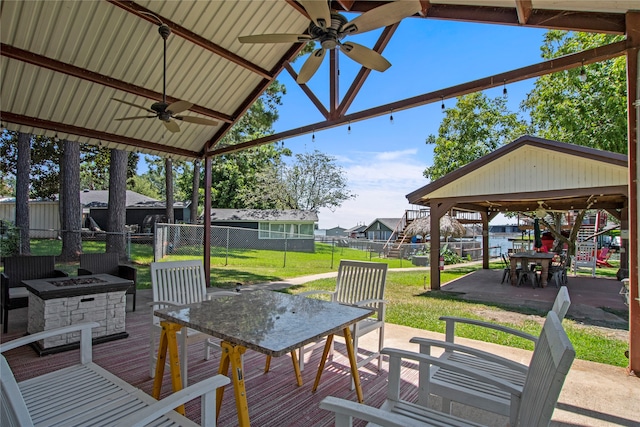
(381, 181)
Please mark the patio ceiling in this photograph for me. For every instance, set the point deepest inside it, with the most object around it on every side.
(62, 62)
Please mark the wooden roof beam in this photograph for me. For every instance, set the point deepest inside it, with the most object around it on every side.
(364, 72)
(524, 8)
(566, 62)
(307, 90)
(83, 74)
(194, 38)
(91, 133)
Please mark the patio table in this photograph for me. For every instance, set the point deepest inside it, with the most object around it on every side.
(271, 323)
(544, 258)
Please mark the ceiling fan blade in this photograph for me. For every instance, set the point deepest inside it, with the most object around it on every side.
(274, 38)
(382, 16)
(171, 126)
(318, 12)
(133, 105)
(310, 66)
(366, 57)
(179, 106)
(134, 118)
(197, 120)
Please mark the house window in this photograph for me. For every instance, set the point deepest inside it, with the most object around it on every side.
(285, 230)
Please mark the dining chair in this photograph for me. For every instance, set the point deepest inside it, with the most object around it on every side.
(359, 283)
(174, 284)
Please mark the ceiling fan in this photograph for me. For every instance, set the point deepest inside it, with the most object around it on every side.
(329, 28)
(167, 113)
(541, 211)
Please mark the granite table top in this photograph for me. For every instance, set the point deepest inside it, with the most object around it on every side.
(269, 322)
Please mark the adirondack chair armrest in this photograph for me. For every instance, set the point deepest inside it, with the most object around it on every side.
(85, 338)
(395, 353)
(346, 409)
(490, 357)
(451, 324)
(368, 302)
(205, 389)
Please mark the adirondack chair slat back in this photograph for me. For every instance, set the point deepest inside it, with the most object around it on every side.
(561, 303)
(180, 282)
(549, 367)
(358, 281)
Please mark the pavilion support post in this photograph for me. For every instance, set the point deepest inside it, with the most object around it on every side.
(436, 211)
(206, 222)
(633, 113)
(486, 217)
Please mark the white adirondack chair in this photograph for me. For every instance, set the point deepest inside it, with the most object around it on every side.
(362, 284)
(585, 257)
(174, 284)
(452, 386)
(533, 404)
(86, 394)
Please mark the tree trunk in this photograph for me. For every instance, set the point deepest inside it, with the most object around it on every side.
(117, 213)
(70, 197)
(22, 191)
(168, 171)
(195, 195)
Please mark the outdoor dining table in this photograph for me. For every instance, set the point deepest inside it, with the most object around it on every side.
(544, 258)
(269, 322)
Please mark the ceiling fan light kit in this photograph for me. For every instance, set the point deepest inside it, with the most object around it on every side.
(329, 28)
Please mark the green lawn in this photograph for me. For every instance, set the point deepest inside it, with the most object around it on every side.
(410, 301)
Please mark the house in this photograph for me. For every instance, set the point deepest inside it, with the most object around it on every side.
(141, 211)
(291, 229)
(356, 232)
(335, 232)
(382, 229)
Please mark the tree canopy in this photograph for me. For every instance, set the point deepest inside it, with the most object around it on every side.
(476, 126)
(592, 113)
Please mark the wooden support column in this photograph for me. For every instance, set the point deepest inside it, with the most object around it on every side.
(206, 222)
(486, 217)
(633, 111)
(436, 211)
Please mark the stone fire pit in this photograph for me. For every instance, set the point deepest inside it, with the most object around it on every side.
(64, 301)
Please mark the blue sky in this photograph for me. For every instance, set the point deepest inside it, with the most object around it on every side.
(383, 161)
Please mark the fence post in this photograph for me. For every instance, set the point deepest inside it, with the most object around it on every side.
(226, 259)
(333, 249)
(285, 253)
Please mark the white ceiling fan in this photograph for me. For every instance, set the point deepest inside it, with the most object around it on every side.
(329, 28)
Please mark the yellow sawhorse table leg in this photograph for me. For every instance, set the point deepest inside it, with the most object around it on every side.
(296, 367)
(233, 354)
(352, 362)
(168, 342)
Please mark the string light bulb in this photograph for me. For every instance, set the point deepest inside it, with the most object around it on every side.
(583, 73)
(504, 89)
(442, 106)
(391, 117)
(349, 128)
(313, 136)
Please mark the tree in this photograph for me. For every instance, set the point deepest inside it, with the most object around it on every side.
(473, 128)
(70, 202)
(22, 191)
(312, 182)
(116, 214)
(592, 113)
(168, 171)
